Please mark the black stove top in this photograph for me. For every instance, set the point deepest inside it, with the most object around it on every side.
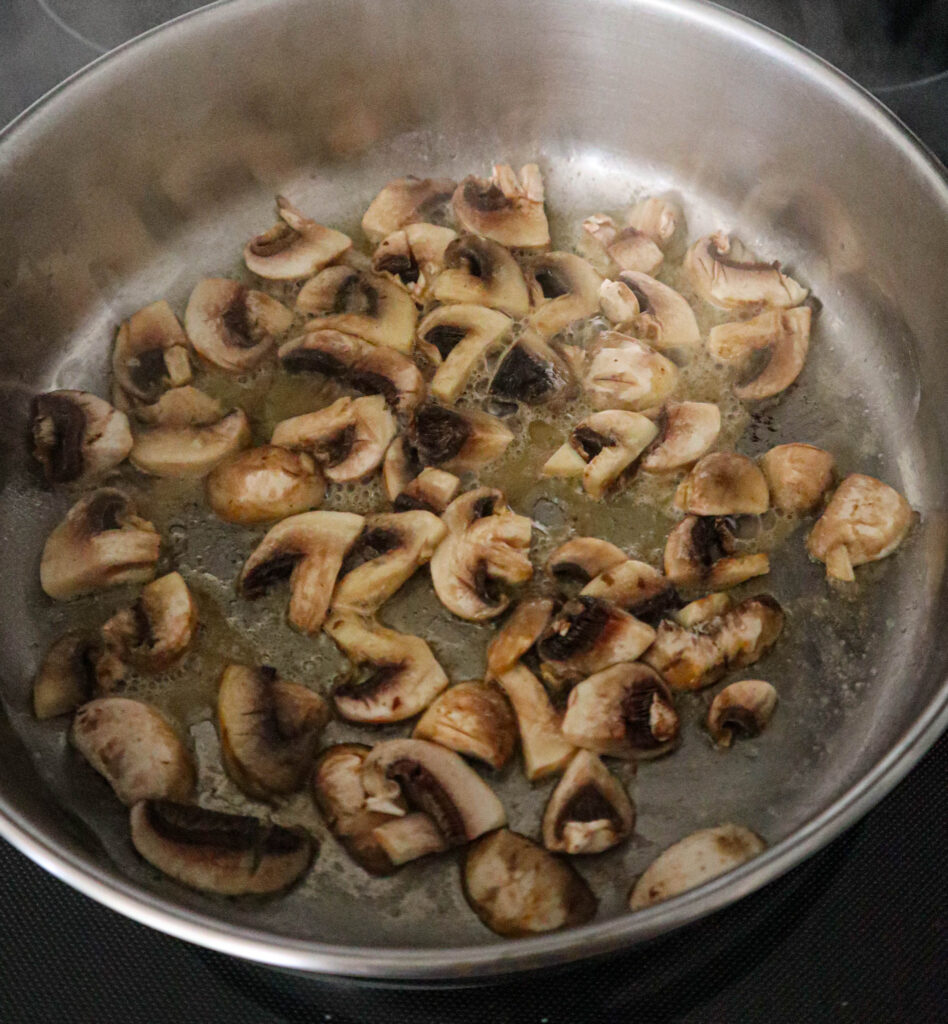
(857, 934)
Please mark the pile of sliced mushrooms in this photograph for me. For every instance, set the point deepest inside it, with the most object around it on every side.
(585, 654)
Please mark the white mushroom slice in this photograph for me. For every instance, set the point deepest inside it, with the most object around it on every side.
(687, 431)
(799, 476)
(77, 437)
(627, 374)
(505, 208)
(182, 407)
(190, 452)
(635, 587)
(474, 719)
(431, 491)
(519, 889)
(295, 247)
(656, 217)
(134, 748)
(584, 558)
(769, 349)
(404, 677)
(724, 484)
(439, 783)
(269, 729)
(456, 339)
(391, 547)
(101, 543)
(67, 675)
(400, 466)
(263, 485)
(233, 328)
(689, 659)
(458, 441)
(413, 257)
(348, 438)
(409, 838)
(532, 371)
(702, 609)
(150, 355)
(744, 708)
(624, 711)
(721, 274)
(227, 854)
(479, 271)
(865, 520)
(589, 811)
(651, 311)
(545, 750)
(626, 248)
(486, 547)
(353, 301)
(700, 552)
(694, 860)
(308, 549)
(157, 630)
(405, 201)
(519, 633)
(564, 288)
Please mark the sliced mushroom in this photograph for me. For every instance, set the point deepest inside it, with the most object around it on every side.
(190, 452)
(865, 520)
(518, 889)
(431, 491)
(269, 729)
(627, 248)
(689, 659)
(405, 201)
(185, 406)
(770, 349)
(438, 782)
(67, 675)
(231, 327)
(744, 707)
(369, 306)
(634, 587)
(624, 711)
(505, 208)
(626, 374)
(545, 750)
(101, 543)
(651, 311)
(409, 838)
(724, 484)
(390, 548)
(589, 811)
(520, 632)
(588, 635)
(694, 860)
(532, 371)
(132, 746)
(308, 549)
(721, 274)
(459, 441)
(264, 484)
(603, 449)
(687, 430)
(348, 438)
(700, 552)
(413, 256)
(703, 609)
(295, 247)
(799, 476)
(150, 355)
(77, 437)
(564, 288)
(404, 676)
(369, 369)
(479, 271)
(473, 719)
(486, 547)
(400, 466)
(656, 217)
(227, 854)
(584, 558)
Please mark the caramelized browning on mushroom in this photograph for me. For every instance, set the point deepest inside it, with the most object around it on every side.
(77, 437)
(474, 719)
(700, 552)
(505, 208)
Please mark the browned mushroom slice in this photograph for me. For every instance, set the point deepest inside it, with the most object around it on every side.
(457, 338)
(865, 520)
(400, 466)
(150, 355)
(545, 750)
(307, 549)
(694, 860)
(134, 748)
(233, 328)
(269, 729)
(413, 257)
(227, 854)
(403, 678)
(348, 438)
(721, 274)
(656, 217)
(101, 543)
(650, 310)
(474, 719)
(356, 302)
(390, 548)
(700, 552)
(769, 349)
(724, 484)
(689, 659)
(532, 371)
(564, 288)
(744, 708)
(687, 431)
(505, 208)
(626, 374)
(185, 406)
(518, 889)
(799, 476)
(626, 248)
(519, 633)
(406, 201)
(409, 838)
(624, 711)
(584, 558)
(295, 247)
(479, 271)
(264, 484)
(458, 441)
(589, 811)
(702, 609)
(190, 452)
(431, 491)
(76, 436)
(67, 675)
(634, 587)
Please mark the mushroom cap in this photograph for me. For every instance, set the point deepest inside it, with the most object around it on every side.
(190, 452)
(405, 201)
(687, 430)
(532, 371)
(504, 208)
(77, 437)
(773, 346)
(699, 551)
(564, 288)
(474, 719)
(724, 484)
(583, 558)
(694, 860)
(456, 338)
(413, 256)
(460, 441)
(482, 272)
(101, 543)
(545, 749)
(664, 318)
(798, 475)
(626, 374)
(150, 354)
(744, 707)
(519, 633)
(264, 484)
(67, 675)
(295, 247)
(134, 748)
(635, 587)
